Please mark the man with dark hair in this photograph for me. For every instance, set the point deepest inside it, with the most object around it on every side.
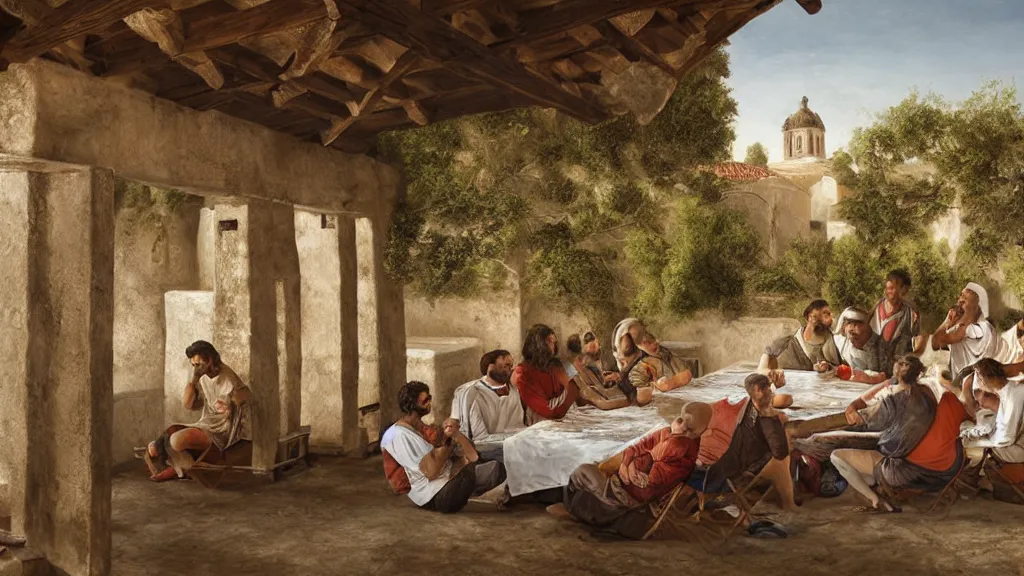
(809, 348)
(895, 319)
(219, 393)
(749, 436)
(868, 355)
(545, 388)
(489, 409)
(918, 447)
(443, 471)
(997, 405)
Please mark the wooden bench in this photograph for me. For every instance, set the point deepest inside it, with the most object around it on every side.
(214, 464)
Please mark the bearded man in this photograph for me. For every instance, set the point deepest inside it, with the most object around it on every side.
(809, 348)
(967, 332)
(438, 467)
(489, 408)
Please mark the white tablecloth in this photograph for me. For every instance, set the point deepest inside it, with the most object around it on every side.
(545, 454)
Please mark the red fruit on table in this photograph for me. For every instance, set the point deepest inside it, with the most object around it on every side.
(844, 372)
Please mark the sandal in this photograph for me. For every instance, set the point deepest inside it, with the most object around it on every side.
(766, 529)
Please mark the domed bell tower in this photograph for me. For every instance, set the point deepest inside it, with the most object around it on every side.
(803, 134)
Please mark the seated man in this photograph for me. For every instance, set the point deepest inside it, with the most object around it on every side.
(219, 393)
(967, 332)
(488, 409)
(998, 406)
(904, 419)
(895, 319)
(439, 477)
(749, 436)
(637, 377)
(663, 372)
(869, 356)
(810, 348)
(586, 353)
(650, 469)
(543, 385)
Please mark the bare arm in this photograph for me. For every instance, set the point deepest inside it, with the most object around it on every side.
(967, 397)
(191, 392)
(868, 377)
(433, 463)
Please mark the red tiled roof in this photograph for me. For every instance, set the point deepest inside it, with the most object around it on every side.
(738, 171)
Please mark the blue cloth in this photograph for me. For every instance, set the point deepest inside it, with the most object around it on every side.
(570, 370)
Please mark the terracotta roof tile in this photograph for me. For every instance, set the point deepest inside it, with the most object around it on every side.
(739, 172)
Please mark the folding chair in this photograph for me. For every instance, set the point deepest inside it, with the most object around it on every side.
(947, 496)
(693, 513)
(993, 469)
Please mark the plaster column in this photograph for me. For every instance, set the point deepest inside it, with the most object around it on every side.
(256, 276)
(381, 323)
(330, 336)
(56, 331)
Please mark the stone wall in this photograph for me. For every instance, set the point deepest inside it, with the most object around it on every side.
(778, 209)
(444, 364)
(154, 252)
(495, 321)
(723, 342)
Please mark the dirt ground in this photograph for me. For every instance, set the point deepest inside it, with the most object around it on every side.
(341, 518)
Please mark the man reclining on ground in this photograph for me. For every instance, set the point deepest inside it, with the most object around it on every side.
(219, 393)
(649, 469)
(443, 471)
(919, 446)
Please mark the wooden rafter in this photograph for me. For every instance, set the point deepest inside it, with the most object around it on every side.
(72, 20)
(264, 70)
(435, 39)
(569, 14)
(633, 47)
(371, 98)
(444, 7)
(274, 16)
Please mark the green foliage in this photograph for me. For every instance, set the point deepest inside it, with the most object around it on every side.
(706, 263)
(889, 206)
(1013, 268)
(757, 155)
(854, 276)
(556, 200)
(976, 150)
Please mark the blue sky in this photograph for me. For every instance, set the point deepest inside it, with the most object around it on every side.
(854, 58)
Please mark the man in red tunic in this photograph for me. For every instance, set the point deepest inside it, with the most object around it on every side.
(543, 385)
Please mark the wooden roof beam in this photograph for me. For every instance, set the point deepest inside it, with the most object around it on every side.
(264, 70)
(633, 47)
(372, 98)
(435, 39)
(810, 6)
(274, 16)
(446, 7)
(568, 14)
(70, 21)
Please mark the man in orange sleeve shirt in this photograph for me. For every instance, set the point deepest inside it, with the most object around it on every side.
(543, 385)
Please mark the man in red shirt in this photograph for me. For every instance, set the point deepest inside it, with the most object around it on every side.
(650, 469)
(543, 385)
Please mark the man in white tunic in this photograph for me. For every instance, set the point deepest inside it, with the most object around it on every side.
(967, 332)
(223, 400)
(868, 355)
(489, 408)
(441, 477)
